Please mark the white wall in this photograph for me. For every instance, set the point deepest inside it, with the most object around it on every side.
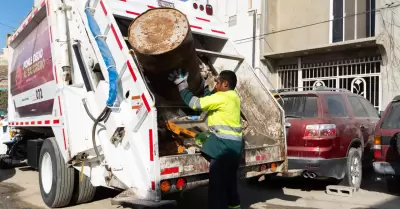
(242, 32)
(387, 33)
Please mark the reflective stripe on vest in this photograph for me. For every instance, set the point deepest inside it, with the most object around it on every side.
(227, 132)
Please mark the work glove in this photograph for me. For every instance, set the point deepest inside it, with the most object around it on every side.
(179, 78)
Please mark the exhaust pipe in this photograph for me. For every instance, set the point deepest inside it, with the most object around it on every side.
(309, 175)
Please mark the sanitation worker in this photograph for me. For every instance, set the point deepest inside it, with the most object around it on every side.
(224, 145)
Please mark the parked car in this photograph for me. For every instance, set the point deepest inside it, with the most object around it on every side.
(387, 146)
(330, 133)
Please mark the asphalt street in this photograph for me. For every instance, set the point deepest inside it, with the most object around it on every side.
(19, 189)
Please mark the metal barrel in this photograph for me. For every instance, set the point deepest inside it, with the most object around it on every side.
(162, 41)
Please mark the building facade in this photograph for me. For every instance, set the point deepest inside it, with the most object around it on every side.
(3, 68)
(335, 43)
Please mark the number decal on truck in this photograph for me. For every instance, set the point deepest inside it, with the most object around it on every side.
(39, 94)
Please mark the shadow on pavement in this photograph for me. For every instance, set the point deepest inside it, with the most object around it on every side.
(250, 194)
(392, 203)
(105, 193)
(27, 168)
(385, 185)
(6, 174)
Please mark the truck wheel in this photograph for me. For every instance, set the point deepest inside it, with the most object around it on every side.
(353, 173)
(84, 191)
(55, 178)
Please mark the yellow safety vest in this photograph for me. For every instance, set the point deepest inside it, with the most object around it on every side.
(223, 113)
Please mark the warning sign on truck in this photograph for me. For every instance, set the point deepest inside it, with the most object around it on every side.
(32, 81)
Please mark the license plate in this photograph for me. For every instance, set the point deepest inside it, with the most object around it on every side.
(162, 3)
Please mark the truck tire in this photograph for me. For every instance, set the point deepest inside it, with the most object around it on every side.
(84, 191)
(353, 172)
(55, 178)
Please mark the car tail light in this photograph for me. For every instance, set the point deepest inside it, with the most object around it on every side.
(195, 6)
(201, 7)
(377, 146)
(180, 184)
(165, 186)
(209, 9)
(320, 131)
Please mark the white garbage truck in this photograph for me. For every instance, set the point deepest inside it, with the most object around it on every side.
(89, 103)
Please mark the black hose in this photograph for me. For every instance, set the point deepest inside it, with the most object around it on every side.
(103, 115)
(90, 114)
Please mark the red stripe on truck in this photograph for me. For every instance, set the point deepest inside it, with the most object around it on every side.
(103, 7)
(116, 36)
(55, 72)
(51, 36)
(131, 70)
(172, 170)
(218, 31)
(48, 8)
(199, 18)
(197, 27)
(65, 141)
(59, 104)
(132, 13)
(43, 3)
(151, 7)
(146, 103)
(151, 144)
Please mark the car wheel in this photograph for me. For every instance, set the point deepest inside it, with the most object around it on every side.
(353, 172)
(55, 178)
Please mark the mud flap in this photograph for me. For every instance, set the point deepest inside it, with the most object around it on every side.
(128, 198)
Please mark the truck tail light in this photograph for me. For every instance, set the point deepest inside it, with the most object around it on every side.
(201, 7)
(273, 167)
(180, 184)
(195, 6)
(320, 131)
(165, 186)
(209, 9)
(377, 146)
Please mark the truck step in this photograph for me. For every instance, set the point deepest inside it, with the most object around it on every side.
(128, 198)
(340, 190)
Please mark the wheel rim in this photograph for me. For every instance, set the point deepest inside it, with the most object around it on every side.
(46, 173)
(355, 171)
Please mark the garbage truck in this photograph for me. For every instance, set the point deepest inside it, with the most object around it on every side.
(90, 104)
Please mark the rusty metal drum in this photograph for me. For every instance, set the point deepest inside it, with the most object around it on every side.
(162, 41)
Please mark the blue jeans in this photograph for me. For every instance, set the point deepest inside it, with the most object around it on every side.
(222, 189)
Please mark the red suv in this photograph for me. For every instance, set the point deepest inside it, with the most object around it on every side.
(387, 145)
(329, 133)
